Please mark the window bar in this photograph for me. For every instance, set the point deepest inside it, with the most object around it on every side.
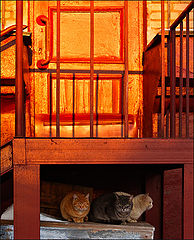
(73, 117)
(187, 75)
(163, 67)
(97, 78)
(181, 81)
(172, 83)
(58, 73)
(126, 69)
(91, 67)
(50, 104)
(20, 111)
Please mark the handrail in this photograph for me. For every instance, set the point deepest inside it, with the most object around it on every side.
(9, 29)
(173, 64)
(182, 15)
(44, 21)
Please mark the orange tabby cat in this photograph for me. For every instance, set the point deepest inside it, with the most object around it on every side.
(75, 206)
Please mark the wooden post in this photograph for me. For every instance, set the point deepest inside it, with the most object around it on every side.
(188, 202)
(26, 202)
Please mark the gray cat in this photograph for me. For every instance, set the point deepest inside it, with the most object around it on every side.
(111, 208)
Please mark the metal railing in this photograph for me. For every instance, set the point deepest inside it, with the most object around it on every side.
(20, 120)
(178, 25)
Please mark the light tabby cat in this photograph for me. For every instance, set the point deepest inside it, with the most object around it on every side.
(141, 203)
(75, 206)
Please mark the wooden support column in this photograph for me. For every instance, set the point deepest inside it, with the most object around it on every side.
(26, 202)
(153, 186)
(188, 202)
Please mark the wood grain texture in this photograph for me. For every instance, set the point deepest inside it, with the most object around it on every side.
(6, 158)
(26, 202)
(152, 73)
(19, 151)
(188, 202)
(108, 151)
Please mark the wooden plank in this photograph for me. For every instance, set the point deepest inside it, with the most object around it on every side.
(26, 202)
(152, 73)
(172, 204)
(54, 230)
(188, 202)
(153, 186)
(6, 158)
(108, 151)
(19, 151)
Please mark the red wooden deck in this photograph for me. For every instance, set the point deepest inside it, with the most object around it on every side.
(29, 154)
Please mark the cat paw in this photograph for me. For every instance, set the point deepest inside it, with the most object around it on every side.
(132, 220)
(78, 220)
(124, 223)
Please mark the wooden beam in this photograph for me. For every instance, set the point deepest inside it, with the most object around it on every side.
(107, 151)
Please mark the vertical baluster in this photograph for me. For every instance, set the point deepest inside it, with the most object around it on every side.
(97, 78)
(73, 117)
(58, 73)
(50, 104)
(187, 75)
(126, 69)
(163, 68)
(181, 81)
(167, 123)
(172, 83)
(121, 103)
(20, 110)
(159, 125)
(91, 67)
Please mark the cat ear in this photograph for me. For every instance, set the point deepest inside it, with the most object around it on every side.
(115, 193)
(147, 194)
(74, 196)
(131, 198)
(87, 196)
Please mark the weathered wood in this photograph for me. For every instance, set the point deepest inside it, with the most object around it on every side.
(153, 186)
(152, 73)
(26, 202)
(108, 151)
(65, 230)
(19, 151)
(188, 202)
(6, 158)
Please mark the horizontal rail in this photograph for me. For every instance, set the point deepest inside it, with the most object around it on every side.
(9, 30)
(182, 15)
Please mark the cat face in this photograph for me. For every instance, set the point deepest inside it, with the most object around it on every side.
(81, 202)
(148, 201)
(123, 204)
